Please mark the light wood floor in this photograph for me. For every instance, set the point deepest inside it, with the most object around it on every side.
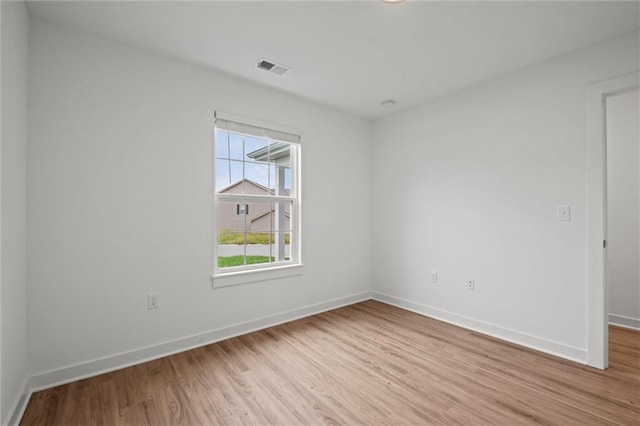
(368, 363)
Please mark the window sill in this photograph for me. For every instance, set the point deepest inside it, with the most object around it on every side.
(229, 279)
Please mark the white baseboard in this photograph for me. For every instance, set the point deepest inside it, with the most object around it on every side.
(19, 405)
(623, 321)
(114, 362)
(543, 345)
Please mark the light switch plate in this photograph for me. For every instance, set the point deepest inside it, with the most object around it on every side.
(152, 301)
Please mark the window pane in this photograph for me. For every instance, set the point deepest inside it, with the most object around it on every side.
(222, 174)
(222, 147)
(229, 252)
(229, 145)
(280, 153)
(231, 222)
(256, 173)
(231, 249)
(287, 180)
(258, 248)
(228, 173)
(255, 149)
(231, 234)
(281, 180)
(236, 146)
(282, 215)
(281, 247)
(259, 218)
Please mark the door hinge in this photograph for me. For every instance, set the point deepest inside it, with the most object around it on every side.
(604, 243)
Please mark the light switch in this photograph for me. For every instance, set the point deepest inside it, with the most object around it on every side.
(564, 213)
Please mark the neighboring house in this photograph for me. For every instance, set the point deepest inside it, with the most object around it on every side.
(261, 216)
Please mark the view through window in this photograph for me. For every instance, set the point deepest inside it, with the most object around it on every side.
(256, 198)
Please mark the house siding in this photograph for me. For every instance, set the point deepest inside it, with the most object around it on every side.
(261, 217)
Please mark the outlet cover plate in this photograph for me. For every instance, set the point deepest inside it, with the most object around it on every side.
(564, 213)
(471, 284)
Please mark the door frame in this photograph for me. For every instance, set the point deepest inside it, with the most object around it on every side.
(597, 288)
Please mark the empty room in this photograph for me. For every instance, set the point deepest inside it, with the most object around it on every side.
(366, 212)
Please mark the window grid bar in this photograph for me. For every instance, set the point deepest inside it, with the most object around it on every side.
(243, 197)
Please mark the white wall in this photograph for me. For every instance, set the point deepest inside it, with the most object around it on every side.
(13, 338)
(120, 199)
(623, 204)
(468, 185)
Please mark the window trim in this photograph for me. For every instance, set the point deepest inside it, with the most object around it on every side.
(229, 279)
(237, 275)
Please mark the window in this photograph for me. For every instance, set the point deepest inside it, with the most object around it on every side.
(256, 199)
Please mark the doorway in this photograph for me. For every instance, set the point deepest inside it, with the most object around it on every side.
(601, 95)
(622, 216)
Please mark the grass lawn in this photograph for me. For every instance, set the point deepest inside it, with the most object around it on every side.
(230, 237)
(225, 262)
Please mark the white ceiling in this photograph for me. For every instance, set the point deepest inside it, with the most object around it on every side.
(354, 55)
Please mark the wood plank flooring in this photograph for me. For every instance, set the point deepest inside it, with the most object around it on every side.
(368, 363)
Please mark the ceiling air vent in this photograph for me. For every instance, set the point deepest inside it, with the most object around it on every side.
(271, 66)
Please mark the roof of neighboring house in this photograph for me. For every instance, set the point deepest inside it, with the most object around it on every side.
(271, 152)
(256, 184)
(286, 214)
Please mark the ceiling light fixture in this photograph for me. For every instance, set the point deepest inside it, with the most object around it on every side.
(389, 103)
(392, 1)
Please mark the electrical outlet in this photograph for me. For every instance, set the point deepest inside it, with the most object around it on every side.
(433, 277)
(471, 284)
(564, 213)
(152, 301)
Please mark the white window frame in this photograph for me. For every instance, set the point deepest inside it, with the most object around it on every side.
(224, 277)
